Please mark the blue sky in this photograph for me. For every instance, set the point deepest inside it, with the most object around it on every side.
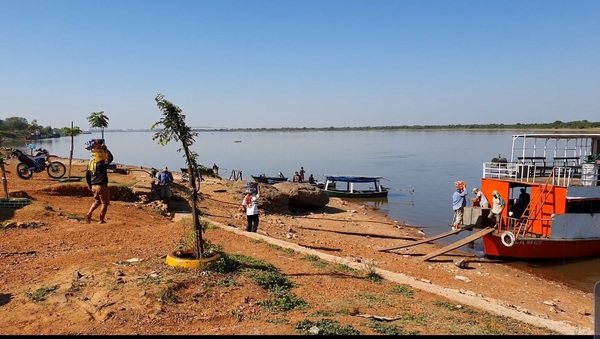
(300, 63)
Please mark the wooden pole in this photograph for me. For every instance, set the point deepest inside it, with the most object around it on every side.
(3, 172)
(70, 155)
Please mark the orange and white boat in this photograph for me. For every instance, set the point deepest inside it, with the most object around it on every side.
(562, 219)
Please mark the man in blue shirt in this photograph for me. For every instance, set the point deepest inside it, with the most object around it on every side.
(165, 178)
(459, 201)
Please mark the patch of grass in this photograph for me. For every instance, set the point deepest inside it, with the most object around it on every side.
(316, 261)
(403, 290)
(324, 327)
(311, 257)
(277, 321)
(344, 268)
(388, 329)
(282, 300)
(270, 280)
(75, 216)
(446, 304)
(375, 299)
(147, 281)
(168, 295)
(41, 293)
(288, 250)
(374, 277)
(210, 226)
(237, 315)
(417, 319)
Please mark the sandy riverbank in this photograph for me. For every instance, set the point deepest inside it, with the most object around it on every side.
(63, 251)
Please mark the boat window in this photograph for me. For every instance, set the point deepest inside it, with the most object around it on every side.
(583, 206)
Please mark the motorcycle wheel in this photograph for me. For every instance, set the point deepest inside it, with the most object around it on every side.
(56, 170)
(23, 171)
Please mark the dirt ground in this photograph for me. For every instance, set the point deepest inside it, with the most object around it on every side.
(59, 275)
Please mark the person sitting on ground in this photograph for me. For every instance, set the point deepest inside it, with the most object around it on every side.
(296, 177)
(311, 179)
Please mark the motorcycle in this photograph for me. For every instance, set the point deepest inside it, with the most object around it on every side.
(42, 160)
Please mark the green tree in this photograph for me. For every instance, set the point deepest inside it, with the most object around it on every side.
(15, 123)
(72, 131)
(174, 128)
(98, 120)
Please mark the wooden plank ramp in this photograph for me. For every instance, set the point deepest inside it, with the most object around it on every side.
(459, 243)
(430, 239)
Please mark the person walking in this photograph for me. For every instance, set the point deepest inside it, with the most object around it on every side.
(96, 178)
(165, 179)
(498, 204)
(301, 173)
(215, 169)
(480, 199)
(459, 201)
(250, 205)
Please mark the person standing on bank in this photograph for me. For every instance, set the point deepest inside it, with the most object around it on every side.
(96, 178)
(459, 201)
(250, 204)
(498, 204)
(301, 173)
(165, 179)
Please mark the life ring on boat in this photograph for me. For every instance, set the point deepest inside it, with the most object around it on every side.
(508, 238)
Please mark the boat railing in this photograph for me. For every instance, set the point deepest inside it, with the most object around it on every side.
(561, 176)
(520, 229)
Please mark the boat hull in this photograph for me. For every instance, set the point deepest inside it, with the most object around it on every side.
(536, 248)
(356, 194)
(269, 180)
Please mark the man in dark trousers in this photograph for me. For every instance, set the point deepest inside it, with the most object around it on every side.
(96, 177)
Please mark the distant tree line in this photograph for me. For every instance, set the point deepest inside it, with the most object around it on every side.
(17, 127)
(572, 125)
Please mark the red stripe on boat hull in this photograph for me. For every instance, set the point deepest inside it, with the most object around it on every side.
(541, 248)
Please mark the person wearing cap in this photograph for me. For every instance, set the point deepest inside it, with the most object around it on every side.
(165, 179)
(250, 205)
(96, 177)
(459, 201)
(479, 199)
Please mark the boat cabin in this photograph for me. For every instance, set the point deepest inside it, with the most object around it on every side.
(354, 186)
(559, 173)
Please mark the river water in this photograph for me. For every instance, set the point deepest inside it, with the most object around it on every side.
(419, 167)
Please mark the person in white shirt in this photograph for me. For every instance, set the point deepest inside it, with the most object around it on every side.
(479, 199)
(250, 204)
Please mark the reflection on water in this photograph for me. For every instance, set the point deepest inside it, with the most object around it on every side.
(377, 203)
